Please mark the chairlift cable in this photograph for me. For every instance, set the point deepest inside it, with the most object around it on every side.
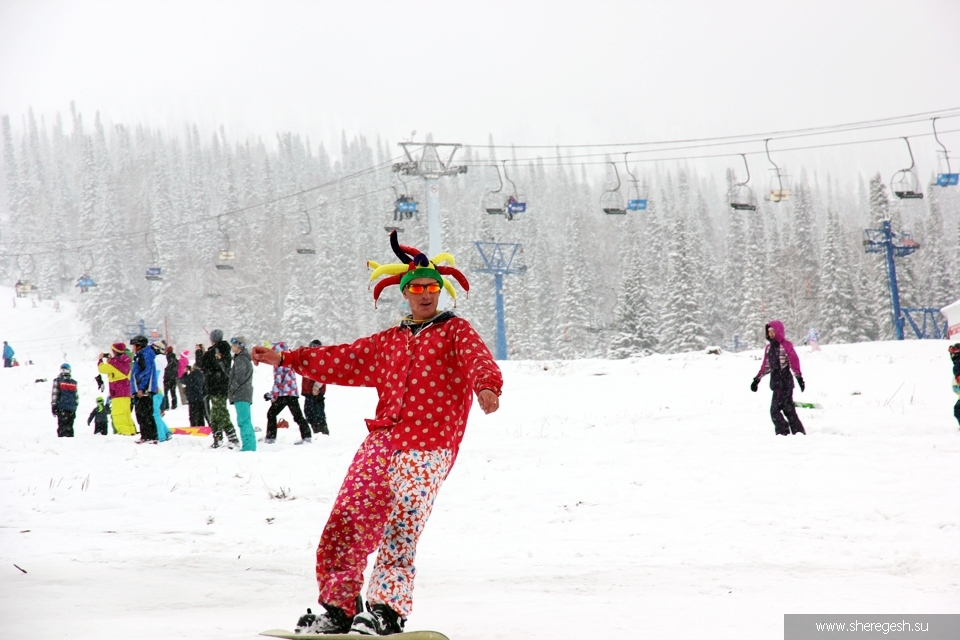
(786, 133)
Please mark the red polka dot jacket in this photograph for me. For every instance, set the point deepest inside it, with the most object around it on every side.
(425, 381)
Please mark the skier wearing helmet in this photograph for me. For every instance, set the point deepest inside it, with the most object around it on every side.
(143, 385)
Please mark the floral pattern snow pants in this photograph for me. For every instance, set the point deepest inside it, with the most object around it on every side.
(383, 504)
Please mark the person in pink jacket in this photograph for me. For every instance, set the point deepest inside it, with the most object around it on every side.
(426, 372)
(182, 363)
(116, 366)
(780, 360)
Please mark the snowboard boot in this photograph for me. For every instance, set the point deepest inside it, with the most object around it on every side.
(377, 620)
(307, 440)
(323, 429)
(333, 620)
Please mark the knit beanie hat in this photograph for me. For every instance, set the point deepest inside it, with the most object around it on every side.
(119, 347)
(216, 335)
(240, 341)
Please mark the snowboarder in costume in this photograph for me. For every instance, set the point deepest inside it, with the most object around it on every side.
(284, 396)
(64, 400)
(216, 369)
(116, 366)
(955, 356)
(314, 409)
(241, 391)
(426, 371)
(143, 385)
(100, 414)
(779, 359)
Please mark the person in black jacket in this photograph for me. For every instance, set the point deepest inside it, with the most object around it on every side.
(170, 380)
(193, 384)
(216, 367)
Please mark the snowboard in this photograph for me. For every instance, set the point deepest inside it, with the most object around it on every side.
(190, 431)
(406, 635)
(806, 405)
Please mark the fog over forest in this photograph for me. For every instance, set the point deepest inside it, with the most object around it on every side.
(111, 199)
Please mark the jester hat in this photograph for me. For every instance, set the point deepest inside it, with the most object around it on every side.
(415, 264)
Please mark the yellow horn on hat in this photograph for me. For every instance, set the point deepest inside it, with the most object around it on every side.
(444, 257)
(388, 269)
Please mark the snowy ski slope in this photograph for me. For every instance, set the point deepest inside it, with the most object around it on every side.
(645, 497)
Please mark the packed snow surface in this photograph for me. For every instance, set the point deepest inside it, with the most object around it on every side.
(645, 497)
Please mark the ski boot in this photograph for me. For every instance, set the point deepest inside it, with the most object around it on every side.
(377, 620)
(333, 620)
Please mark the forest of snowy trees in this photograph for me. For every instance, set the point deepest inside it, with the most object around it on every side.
(82, 195)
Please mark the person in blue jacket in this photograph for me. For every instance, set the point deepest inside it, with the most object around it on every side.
(7, 355)
(143, 386)
(63, 401)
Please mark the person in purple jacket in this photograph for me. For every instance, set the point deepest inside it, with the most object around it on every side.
(780, 360)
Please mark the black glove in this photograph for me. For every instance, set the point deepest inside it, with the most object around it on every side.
(800, 382)
(755, 384)
(267, 397)
(99, 380)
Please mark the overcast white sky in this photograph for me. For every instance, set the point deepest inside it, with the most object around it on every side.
(527, 72)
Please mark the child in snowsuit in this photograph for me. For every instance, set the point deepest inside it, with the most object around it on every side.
(64, 400)
(284, 396)
(193, 385)
(100, 413)
(779, 359)
(313, 401)
(955, 356)
(426, 372)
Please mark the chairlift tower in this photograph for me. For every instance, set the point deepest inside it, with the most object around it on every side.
(430, 161)
(899, 245)
(498, 259)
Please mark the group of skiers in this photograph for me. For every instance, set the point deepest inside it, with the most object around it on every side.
(221, 373)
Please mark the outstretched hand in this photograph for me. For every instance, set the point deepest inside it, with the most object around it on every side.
(265, 355)
(489, 402)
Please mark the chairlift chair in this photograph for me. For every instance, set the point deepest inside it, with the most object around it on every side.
(611, 200)
(26, 267)
(305, 248)
(153, 272)
(741, 195)
(945, 174)
(516, 203)
(779, 182)
(226, 254)
(493, 202)
(637, 197)
(405, 207)
(905, 184)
